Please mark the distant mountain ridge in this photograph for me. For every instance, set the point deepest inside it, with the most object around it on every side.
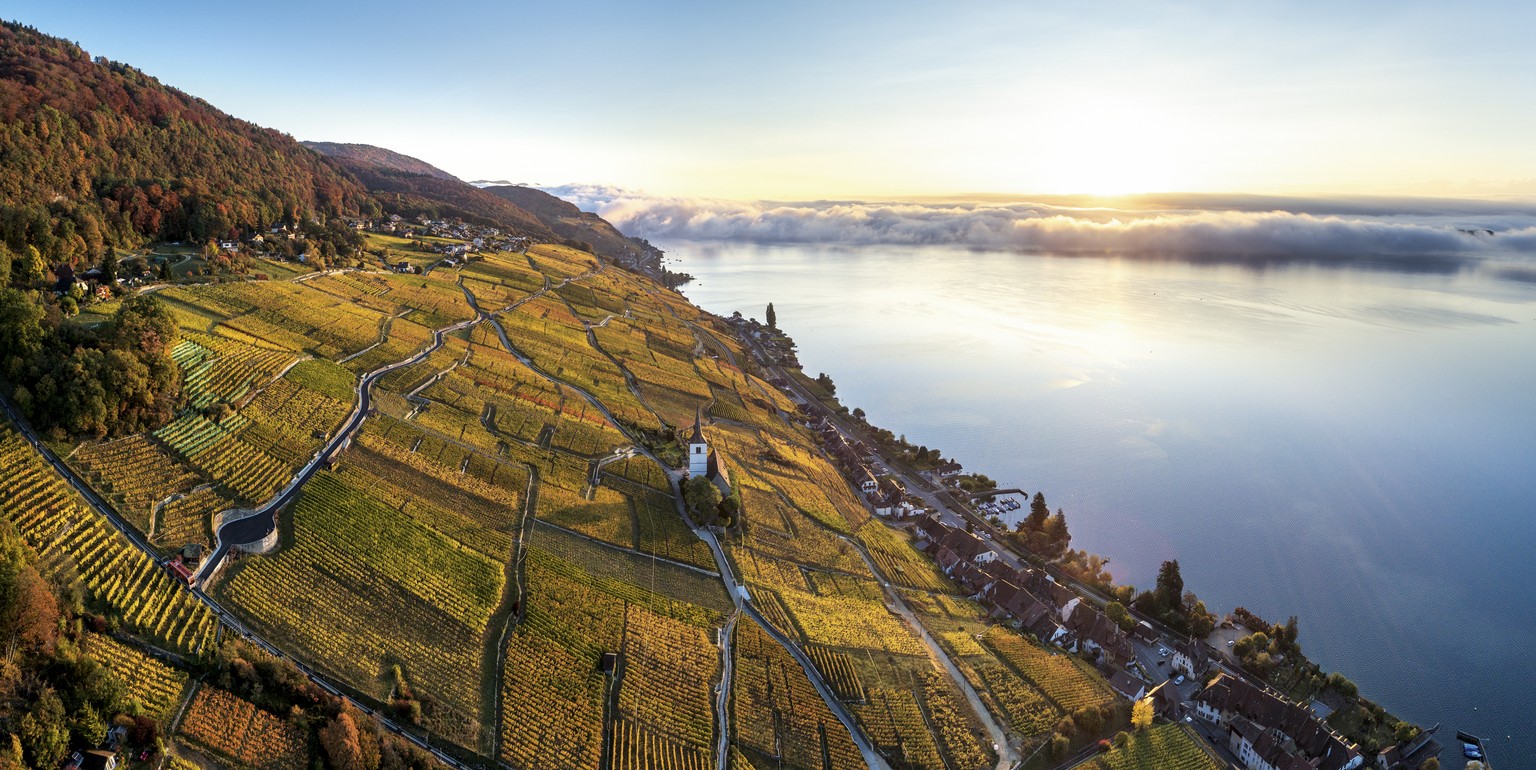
(378, 156)
(568, 221)
(388, 172)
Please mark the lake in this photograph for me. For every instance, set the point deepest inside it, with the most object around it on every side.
(1352, 443)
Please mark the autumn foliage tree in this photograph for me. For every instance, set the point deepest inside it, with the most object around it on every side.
(1141, 714)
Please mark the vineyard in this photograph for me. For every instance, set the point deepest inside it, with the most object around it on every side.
(668, 666)
(217, 450)
(777, 714)
(1065, 680)
(837, 668)
(476, 513)
(954, 727)
(552, 688)
(71, 539)
(154, 686)
(189, 518)
(635, 748)
(901, 563)
(546, 332)
(216, 369)
(1161, 747)
(1025, 708)
(354, 562)
(839, 621)
(663, 533)
(135, 472)
(246, 736)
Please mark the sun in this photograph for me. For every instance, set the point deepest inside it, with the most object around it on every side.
(1103, 147)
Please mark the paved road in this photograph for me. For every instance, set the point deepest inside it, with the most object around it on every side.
(1007, 754)
(261, 523)
(733, 587)
(108, 513)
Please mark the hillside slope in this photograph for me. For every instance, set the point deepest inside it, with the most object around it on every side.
(433, 193)
(569, 222)
(380, 157)
(98, 153)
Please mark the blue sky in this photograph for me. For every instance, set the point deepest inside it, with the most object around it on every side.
(809, 100)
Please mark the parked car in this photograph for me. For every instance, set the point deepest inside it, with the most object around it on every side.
(1179, 680)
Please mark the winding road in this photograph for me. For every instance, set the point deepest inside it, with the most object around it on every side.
(261, 522)
(733, 587)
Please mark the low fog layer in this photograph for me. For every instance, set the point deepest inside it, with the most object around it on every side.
(1237, 226)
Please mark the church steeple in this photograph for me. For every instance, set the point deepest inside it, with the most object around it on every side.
(698, 448)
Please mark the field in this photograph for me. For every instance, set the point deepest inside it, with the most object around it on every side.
(777, 714)
(1161, 747)
(553, 690)
(1067, 681)
(135, 473)
(238, 732)
(355, 562)
(189, 519)
(154, 686)
(118, 579)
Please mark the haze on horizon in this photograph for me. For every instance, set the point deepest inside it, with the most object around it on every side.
(809, 101)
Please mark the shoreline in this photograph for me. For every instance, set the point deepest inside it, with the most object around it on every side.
(736, 298)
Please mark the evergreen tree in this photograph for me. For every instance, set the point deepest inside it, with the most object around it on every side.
(773, 318)
(1170, 585)
(109, 267)
(1038, 513)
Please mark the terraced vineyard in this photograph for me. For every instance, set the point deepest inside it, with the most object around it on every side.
(354, 557)
(238, 732)
(1161, 747)
(1063, 679)
(216, 449)
(134, 472)
(778, 715)
(218, 369)
(189, 519)
(118, 578)
(154, 686)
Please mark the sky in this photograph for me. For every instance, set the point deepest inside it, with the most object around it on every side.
(805, 101)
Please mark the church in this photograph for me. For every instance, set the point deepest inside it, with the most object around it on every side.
(703, 461)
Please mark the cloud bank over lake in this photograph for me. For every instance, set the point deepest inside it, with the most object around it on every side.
(1192, 226)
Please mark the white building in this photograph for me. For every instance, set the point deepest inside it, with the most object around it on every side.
(698, 451)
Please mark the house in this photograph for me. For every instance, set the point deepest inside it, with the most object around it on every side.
(1096, 632)
(931, 529)
(1167, 701)
(610, 663)
(1190, 656)
(1411, 755)
(969, 546)
(97, 759)
(1128, 685)
(868, 484)
(949, 469)
(1269, 732)
(946, 559)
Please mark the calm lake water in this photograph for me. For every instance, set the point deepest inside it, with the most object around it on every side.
(1354, 444)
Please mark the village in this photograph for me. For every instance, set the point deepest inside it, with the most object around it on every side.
(1197, 681)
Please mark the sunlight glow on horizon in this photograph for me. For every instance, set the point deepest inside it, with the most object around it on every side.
(803, 101)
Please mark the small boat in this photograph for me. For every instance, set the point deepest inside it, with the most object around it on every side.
(1472, 747)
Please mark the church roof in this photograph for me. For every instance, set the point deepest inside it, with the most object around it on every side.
(697, 436)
